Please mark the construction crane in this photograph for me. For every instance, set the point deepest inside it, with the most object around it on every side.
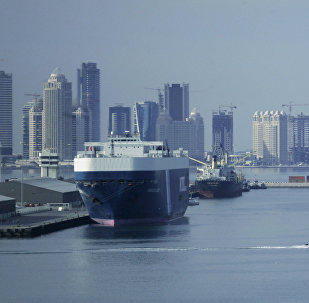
(35, 95)
(291, 104)
(160, 96)
(230, 106)
(159, 90)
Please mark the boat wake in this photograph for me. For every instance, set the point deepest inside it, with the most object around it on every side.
(154, 250)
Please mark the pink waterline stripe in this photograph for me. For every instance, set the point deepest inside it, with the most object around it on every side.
(105, 222)
(113, 222)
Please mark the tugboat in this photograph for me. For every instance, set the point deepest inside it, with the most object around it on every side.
(218, 180)
(245, 186)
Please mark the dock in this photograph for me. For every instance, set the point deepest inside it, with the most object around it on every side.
(37, 224)
(286, 185)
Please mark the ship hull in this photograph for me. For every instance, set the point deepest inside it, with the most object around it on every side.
(209, 189)
(134, 197)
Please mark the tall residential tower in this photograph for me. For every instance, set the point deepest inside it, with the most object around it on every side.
(145, 115)
(270, 137)
(88, 94)
(6, 117)
(177, 101)
(119, 120)
(57, 115)
(222, 132)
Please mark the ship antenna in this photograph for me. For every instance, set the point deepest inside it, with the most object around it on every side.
(168, 150)
(112, 147)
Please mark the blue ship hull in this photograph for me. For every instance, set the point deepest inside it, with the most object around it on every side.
(133, 197)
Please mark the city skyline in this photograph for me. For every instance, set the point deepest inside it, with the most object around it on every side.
(251, 54)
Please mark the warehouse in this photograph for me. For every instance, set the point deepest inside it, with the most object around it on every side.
(7, 207)
(41, 190)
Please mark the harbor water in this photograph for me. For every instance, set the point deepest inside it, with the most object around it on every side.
(245, 249)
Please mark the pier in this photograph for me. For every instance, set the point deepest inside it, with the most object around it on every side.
(286, 185)
(36, 224)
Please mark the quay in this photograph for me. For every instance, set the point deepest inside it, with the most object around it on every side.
(286, 185)
(37, 224)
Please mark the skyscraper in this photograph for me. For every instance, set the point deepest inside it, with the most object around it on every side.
(177, 101)
(25, 128)
(196, 135)
(35, 129)
(270, 143)
(145, 116)
(6, 118)
(57, 115)
(222, 132)
(188, 134)
(88, 94)
(299, 138)
(119, 120)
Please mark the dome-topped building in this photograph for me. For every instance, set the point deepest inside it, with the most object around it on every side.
(57, 115)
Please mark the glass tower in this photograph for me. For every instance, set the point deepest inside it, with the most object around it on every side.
(88, 94)
(6, 117)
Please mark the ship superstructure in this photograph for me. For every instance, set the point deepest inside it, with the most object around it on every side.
(126, 180)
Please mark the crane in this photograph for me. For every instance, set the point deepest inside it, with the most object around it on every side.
(35, 95)
(291, 104)
(160, 96)
(231, 106)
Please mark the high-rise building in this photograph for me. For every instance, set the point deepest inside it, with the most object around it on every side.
(270, 137)
(145, 116)
(80, 128)
(188, 134)
(177, 101)
(57, 115)
(196, 135)
(119, 120)
(25, 129)
(6, 117)
(88, 94)
(222, 132)
(299, 139)
(35, 129)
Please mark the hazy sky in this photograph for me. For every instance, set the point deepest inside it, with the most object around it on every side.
(253, 53)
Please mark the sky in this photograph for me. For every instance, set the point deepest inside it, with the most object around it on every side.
(252, 54)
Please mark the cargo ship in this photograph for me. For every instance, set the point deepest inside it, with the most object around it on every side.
(218, 180)
(128, 181)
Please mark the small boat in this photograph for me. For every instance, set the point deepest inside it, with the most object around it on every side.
(246, 186)
(257, 185)
(263, 186)
(193, 202)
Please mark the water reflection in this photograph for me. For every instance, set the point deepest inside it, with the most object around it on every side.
(142, 232)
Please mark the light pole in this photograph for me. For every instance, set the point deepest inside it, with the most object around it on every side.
(21, 181)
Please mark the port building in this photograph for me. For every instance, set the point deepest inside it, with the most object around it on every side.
(42, 190)
(7, 207)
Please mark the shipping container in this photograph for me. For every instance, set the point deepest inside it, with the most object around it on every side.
(297, 179)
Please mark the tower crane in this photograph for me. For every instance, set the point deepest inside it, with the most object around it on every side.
(160, 96)
(231, 106)
(35, 95)
(159, 90)
(291, 104)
